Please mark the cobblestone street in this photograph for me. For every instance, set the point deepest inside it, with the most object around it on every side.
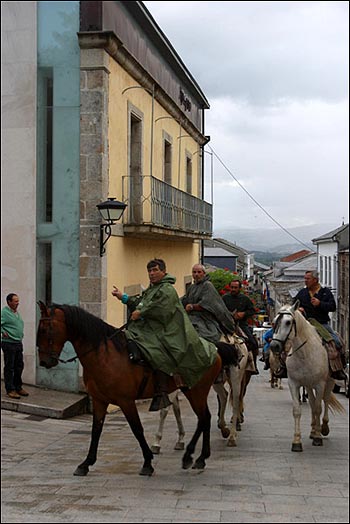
(261, 480)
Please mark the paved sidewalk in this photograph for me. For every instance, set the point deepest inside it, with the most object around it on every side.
(261, 480)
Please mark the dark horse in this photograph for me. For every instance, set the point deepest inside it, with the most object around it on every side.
(111, 378)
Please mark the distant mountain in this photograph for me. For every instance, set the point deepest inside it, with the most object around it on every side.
(275, 239)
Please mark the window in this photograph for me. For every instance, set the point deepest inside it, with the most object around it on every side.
(167, 161)
(188, 175)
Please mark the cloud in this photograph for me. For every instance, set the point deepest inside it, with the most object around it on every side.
(276, 77)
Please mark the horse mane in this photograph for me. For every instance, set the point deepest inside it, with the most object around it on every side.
(302, 322)
(86, 325)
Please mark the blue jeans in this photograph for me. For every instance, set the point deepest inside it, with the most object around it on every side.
(335, 337)
(13, 365)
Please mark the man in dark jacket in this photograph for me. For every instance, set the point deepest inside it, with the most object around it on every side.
(315, 302)
(242, 308)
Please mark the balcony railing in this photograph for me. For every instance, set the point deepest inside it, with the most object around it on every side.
(153, 202)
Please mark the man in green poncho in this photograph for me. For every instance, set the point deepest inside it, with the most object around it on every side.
(162, 330)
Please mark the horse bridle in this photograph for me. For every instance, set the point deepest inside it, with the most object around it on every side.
(293, 325)
(51, 352)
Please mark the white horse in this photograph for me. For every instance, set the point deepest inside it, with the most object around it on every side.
(179, 445)
(235, 376)
(307, 365)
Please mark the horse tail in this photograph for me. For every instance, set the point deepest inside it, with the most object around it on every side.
(229, 354)
(335, 406)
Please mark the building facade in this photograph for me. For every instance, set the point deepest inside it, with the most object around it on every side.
(97, 104)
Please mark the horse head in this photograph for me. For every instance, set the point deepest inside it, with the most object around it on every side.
(51, 335)
(284, 324)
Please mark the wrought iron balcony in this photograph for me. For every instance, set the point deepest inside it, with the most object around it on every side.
(157, 208)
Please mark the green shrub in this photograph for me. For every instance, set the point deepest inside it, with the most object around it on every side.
(221, 279)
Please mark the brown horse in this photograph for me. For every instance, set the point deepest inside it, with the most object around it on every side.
(111, 378)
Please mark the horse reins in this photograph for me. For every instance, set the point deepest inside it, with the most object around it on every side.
(283, 342)
(53, 355)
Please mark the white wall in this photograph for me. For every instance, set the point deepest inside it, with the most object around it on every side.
(18, 169)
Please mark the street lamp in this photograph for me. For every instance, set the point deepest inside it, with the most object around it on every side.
(111, 210)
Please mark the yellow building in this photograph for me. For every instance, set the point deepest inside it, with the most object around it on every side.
(146, 114)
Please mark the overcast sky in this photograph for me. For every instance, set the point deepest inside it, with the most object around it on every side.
(276, 77)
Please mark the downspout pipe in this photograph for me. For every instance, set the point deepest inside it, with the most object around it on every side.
(202, 183)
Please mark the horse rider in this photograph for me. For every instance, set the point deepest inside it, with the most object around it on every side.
(242, 309)
(160, 328)
(315, 302)
(207, 312)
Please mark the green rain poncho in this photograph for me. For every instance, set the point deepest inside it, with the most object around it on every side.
(166, 336)
(214, 319)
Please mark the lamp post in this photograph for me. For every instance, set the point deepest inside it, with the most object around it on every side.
(111, 211)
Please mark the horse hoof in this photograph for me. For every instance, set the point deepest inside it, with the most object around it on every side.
(317, 441)
(231, 443)
(199, 464)
(187, 463)
(325, 429)
(225, 432)
(81, 471)
(297, 447)
(155, 449)
(179, 446)
(146, 471)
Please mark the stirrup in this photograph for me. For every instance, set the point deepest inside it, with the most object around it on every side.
(160, 402)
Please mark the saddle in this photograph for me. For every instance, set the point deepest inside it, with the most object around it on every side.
(336, 356)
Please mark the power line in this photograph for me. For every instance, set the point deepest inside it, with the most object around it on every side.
(257, 203)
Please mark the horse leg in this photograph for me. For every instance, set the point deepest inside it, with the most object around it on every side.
(304, 395)
(222, 401)
(181, 430)
(205, 453)
(235, 389)
(99, 414)
(294, 391)
(131, 414)
(315, 401)
(326, 396)
(198, 401)
(272, 379)
(158, 436)
(244, 384)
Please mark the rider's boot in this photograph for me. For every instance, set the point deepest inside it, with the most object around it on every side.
(338, 375)
(160, 399)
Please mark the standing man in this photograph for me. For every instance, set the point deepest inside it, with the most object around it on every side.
(315, 302)
(242, 308)
(12, 326)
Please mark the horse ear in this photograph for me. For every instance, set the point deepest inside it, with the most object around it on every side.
(296, 305)
(42, 307)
